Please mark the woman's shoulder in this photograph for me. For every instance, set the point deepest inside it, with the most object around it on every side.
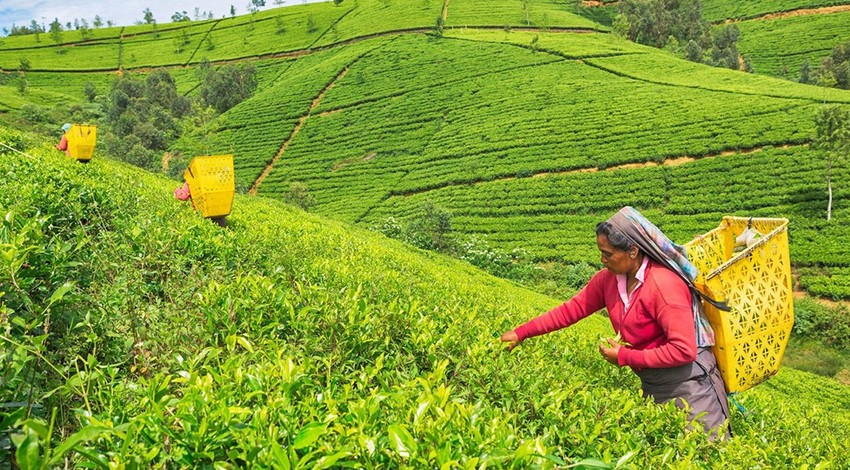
(667, 285)
(663, 276)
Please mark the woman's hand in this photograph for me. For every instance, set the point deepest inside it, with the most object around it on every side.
(511, 337)
(610, 353)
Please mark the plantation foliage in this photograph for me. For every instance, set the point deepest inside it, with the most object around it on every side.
(134, 334)
(149, 337)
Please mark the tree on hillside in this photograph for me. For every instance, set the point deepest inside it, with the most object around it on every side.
(678, 25)
(255, 5)
(300, 196)
(178, 16)
(84, 29)
(90, 91)
(226, 86)
(431, 229)
(98, 22)
(181, 40)
(36, 29)
(806, 72)
(835, 69)
(439, 27)
(148, 16)
(144, 117)
(832, 138)
(23, 84)
(526, 10)
(56, 31)
(280, 25)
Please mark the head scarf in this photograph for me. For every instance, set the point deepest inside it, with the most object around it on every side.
(66, 127)
(652, 242)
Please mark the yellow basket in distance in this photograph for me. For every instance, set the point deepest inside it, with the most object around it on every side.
(211, 184)
(756, 284)
(81, 141)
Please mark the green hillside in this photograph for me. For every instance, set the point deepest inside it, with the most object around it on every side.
(779, 47)
(718, 10)
(292, 340)
(147, 337)
(501, 133)
(777, 37)
(377, 116)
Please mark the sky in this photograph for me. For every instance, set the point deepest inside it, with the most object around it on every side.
(121, 12)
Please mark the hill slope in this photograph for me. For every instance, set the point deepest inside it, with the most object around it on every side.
(508, 131)
(506, 128)
(293, 338)
(777, 37)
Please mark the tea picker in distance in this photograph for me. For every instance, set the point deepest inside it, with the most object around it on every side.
(78, 141)
(63, 142)
(210, 185)
(654, 307)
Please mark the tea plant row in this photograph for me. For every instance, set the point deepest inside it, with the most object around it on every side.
(723, 9)
(553, 217)
(293, 339)
(779, 47)
(541, 14)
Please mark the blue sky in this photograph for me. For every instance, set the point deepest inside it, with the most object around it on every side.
(122, 13)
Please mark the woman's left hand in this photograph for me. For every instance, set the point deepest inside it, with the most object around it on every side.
(610, 353)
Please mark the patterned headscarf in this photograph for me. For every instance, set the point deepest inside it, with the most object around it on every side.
(652, 241)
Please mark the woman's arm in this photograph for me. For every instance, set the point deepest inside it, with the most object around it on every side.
(589, 300)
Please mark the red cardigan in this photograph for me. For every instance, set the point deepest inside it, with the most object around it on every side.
(659, 324)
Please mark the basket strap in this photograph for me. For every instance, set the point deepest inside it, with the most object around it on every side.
(717, 304)
(740, 407)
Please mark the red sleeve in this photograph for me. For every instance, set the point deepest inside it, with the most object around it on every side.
(674, 315)
(63, 143)
(183, 193)
(586, 302)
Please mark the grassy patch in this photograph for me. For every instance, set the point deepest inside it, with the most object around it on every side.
(815, 357)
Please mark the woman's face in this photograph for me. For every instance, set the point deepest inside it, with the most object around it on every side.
(617, 261)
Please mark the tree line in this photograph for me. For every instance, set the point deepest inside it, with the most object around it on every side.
(834, 70)
(56, 27)
(145, 116)
(679, 26)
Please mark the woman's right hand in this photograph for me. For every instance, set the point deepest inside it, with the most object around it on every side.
(512, 338)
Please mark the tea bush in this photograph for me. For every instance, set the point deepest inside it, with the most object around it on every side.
(291, 340)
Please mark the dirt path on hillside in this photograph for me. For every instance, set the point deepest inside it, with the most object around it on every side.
(801, 294)
(800, 12)
(596, 3)
(295, 132)
(673, 161)
(765, 17)
(445, 13)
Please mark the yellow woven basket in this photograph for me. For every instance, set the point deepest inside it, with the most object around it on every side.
(211, 183)
(81, 141)
(756, 284)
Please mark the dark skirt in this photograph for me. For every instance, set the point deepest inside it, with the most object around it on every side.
(699, 385)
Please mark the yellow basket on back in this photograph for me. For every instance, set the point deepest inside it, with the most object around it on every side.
(81, 141)
(211, 184)
(756, 284)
